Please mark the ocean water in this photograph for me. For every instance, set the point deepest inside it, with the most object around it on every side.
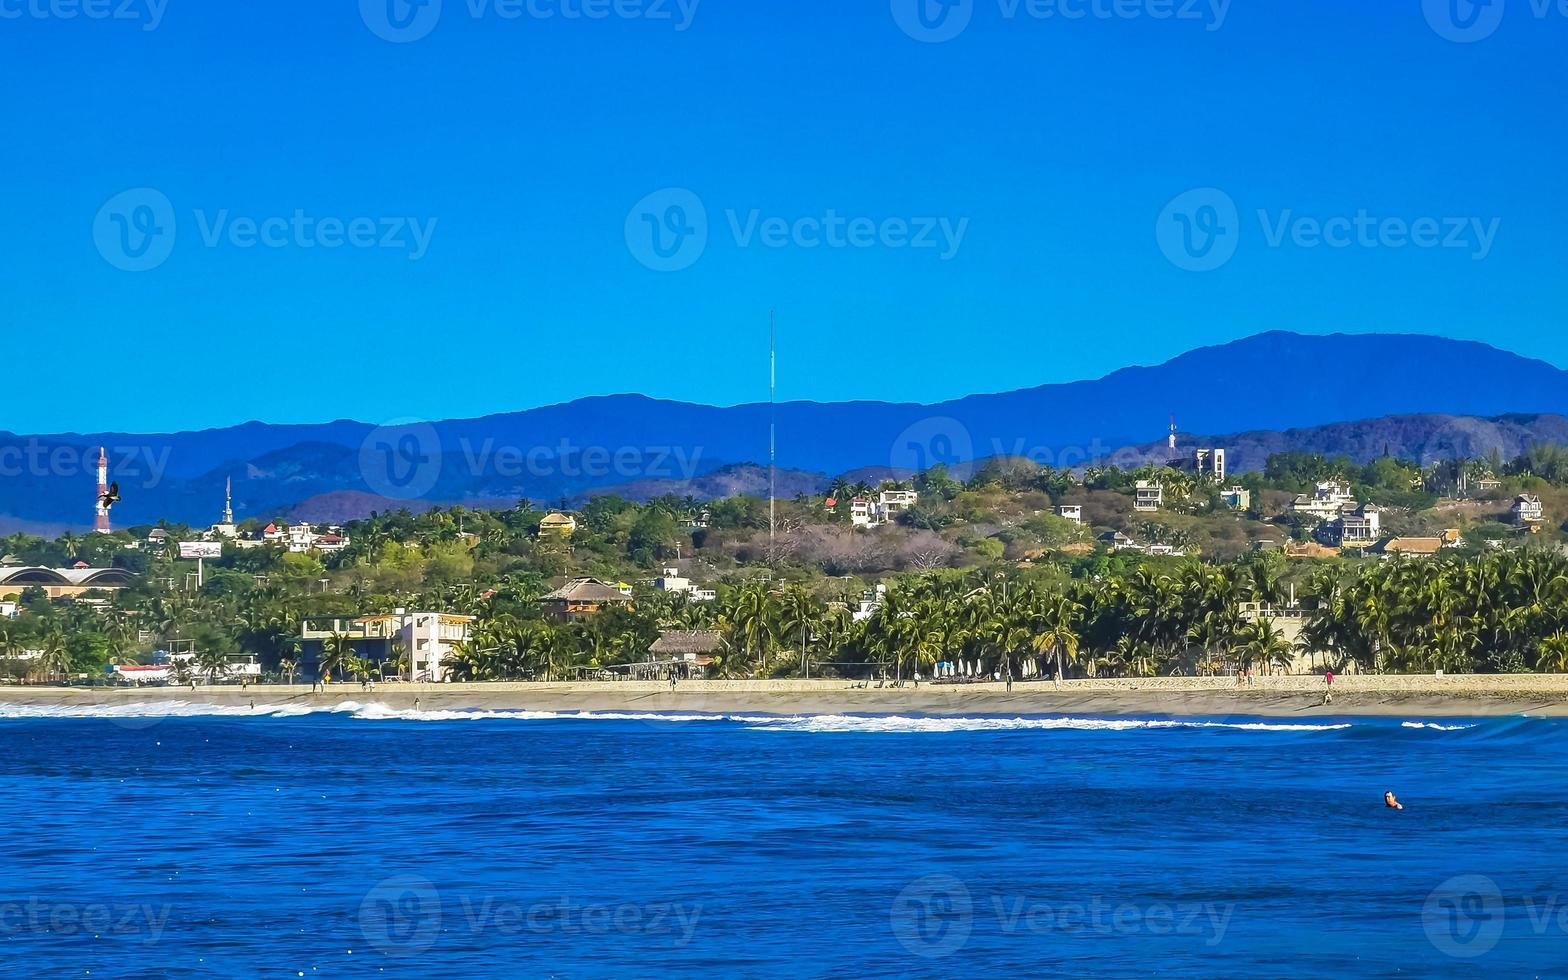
(188, 841)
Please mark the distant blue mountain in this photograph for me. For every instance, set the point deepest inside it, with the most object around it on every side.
(1270, 382)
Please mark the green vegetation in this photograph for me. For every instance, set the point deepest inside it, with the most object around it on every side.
(979, 570)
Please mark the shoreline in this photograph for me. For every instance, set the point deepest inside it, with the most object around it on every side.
(1271, 697)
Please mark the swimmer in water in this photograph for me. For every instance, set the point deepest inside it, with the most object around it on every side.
(1392, 803)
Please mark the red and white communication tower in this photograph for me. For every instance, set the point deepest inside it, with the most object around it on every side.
(101, 523)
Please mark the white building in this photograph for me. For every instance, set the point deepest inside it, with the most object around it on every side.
(1202, 463)
(1148, 496)
(1236, 498)
(300, 539)
(1071, 512)
(868, 605)
(427, 639)
(1528, 510)
(673, 581)
(8, 610)
(1357, 526)
(1326, 502)
(883, 509)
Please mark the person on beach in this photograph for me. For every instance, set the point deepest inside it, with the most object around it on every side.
(1392, 803)
(1328, 687)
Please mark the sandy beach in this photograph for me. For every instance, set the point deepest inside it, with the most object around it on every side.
(1413, 696)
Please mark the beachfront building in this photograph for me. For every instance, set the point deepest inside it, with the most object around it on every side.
(426, 640)
(63, 583)
(8, 610)
(869, 604)
(1148, 496)
(1290, 621)
(683, 654)
(1326, 502)
(1071, 512)
(1528, 511)
(583, 597)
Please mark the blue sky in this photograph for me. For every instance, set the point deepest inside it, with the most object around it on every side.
(1003, 197)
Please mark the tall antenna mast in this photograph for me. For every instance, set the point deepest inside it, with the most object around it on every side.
(773, 438)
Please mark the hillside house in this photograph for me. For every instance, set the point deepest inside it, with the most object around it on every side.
(556, 524)
(1528, 512)
(1071, 512)
(882, 509)
(1236, 498)
(1326, 502)
(581, 598)
(1202, 463)
(1148, 496)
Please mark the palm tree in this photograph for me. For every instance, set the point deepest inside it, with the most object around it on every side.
(1262, 643)
(55, 658)
(337, 654)
(212, 662)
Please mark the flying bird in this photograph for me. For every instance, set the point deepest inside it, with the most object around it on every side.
(111, 497)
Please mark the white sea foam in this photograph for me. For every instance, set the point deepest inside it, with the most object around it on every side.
(913, 724)
(1434, 726)
(379, 711)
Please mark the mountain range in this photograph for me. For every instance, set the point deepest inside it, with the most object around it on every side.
(1410, 395)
